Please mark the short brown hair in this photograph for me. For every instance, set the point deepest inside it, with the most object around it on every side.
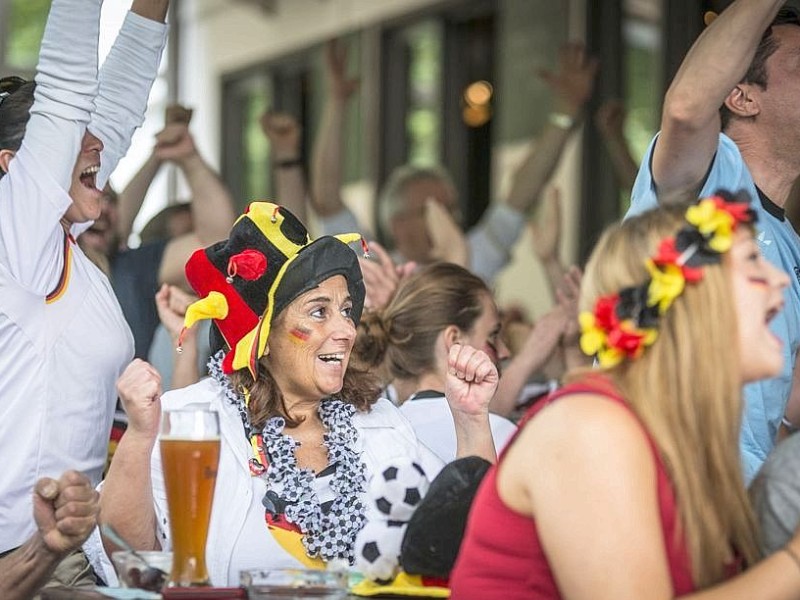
(757, 72)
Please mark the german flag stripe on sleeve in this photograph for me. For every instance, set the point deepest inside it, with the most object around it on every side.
(63, 281)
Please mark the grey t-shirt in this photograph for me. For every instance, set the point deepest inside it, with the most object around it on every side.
(775, 493)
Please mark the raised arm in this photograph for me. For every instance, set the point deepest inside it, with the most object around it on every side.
(126, 501)
(610, 121)
(690, 122)
(470, 384)
(326, 170)
(172, 303)
(283, 132)
(212, 205)
(126, 78)
(38, 161)
(132, 197)
(493, 238)
(66, 85)
(571, 87)
(546, 238)
(540, 344)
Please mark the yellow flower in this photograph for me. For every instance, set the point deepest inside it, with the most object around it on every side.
(711, 220)
(610, 357)
(592, 337)
(666, 284)
(650, 336)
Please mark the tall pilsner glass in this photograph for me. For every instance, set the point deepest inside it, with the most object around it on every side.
(189, 443)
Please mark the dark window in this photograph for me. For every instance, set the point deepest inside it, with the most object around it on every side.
(429, 62)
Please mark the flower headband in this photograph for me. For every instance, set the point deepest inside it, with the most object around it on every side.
(622, 325)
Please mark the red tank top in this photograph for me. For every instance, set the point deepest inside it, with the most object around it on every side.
(501, 556)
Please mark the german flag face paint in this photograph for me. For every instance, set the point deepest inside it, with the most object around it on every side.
(760, 281)
(299, 335)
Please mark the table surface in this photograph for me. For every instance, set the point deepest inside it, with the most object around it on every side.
(71, 593)
(65, 593)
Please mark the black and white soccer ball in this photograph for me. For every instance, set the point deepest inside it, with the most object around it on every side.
(398, 489)
(378, 550)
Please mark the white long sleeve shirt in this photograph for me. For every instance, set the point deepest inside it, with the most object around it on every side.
(63, 337)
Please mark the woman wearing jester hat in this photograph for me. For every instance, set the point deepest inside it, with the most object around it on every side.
(627, 483)
(297, 420)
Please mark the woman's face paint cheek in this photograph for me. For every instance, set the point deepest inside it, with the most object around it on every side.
(299, 335)
(760, 281)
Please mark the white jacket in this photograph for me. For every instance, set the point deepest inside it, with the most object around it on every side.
(383, 435)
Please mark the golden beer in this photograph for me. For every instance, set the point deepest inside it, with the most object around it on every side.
(190, 474)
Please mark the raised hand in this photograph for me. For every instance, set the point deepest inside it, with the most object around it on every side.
(283, 132)
(471, 381)
(171, 303)
(572, 84)
(175, 143)
(382, 277)
(65, 511)
(610, 118)
(340, 86)
(610, 122)
(448, 242)
(139, 388)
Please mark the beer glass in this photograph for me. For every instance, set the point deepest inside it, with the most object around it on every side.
(189, 442)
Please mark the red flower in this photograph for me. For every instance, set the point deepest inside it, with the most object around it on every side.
(605, 312)
(628, 341)
(740, 211)
(667, 254)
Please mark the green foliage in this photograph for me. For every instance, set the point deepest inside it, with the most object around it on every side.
(26, 21)
(423, 119)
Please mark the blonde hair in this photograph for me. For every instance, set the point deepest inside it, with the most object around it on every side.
(686, 389)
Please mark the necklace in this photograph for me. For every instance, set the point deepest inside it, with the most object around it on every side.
(329, 534)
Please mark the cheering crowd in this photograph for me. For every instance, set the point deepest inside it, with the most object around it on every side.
(646, 420)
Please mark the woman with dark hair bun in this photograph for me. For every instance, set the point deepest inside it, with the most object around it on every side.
(64, 337)
(440, 305)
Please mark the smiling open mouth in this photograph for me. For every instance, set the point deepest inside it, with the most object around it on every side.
(332, 358)
(88, 177)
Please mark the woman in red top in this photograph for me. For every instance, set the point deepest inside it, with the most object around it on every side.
(627, 483)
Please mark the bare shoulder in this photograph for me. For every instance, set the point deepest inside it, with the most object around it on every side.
(580, 419)
(579, 440)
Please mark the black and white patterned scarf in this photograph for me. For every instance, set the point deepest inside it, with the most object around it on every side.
(329, 534)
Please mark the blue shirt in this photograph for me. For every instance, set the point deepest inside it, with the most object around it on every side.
(764, 401)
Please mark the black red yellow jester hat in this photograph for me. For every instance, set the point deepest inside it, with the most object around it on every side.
(269, 259)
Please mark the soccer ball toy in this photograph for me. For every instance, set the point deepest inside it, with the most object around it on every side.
(398, 489)
(378, 550)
